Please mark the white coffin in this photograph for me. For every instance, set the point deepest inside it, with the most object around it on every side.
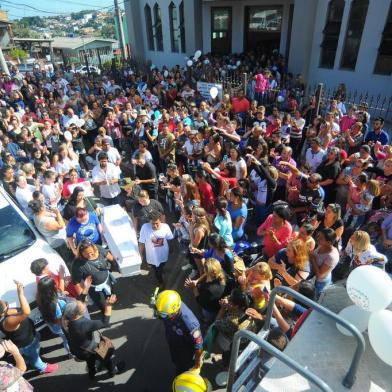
(120, 236)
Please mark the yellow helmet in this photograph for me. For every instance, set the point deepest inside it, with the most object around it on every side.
(191, 382)
(168, 303)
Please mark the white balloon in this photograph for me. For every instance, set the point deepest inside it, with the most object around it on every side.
(214, 92)
(68, 136)
(370, 288)
(189, 63)
(166, 73)
(380, 334)
(280, 99)
(356, 316)
(223, 72)
(197, 54)
(206, 61)
(238, 63)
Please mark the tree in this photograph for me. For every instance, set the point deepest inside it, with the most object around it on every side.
(18, 54)
(21, 31)
(107, 31)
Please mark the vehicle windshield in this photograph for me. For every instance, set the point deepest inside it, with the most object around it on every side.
(15, 233)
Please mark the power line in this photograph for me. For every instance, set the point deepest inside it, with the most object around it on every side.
(34, 8)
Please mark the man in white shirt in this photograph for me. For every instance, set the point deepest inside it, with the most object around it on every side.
(112, 152)
(106, 175)
(153, 239)
(315, 154)
(24, 194)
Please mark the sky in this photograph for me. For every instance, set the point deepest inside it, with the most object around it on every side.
(19, 8)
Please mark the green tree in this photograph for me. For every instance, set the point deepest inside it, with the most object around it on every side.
(21, 31)
(18, 54)
(107, 31)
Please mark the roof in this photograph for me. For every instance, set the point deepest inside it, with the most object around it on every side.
(77, 42)
(17, 39)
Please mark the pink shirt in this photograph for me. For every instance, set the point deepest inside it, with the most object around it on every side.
(283, 236)
(346, 123)
(261, 83)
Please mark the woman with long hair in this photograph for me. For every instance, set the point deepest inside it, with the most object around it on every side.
(329, 170)
(199, 230)
(189, 190)
(291, 265)
(332, 220)
(51, 307)
(210, 290)
(222, 221)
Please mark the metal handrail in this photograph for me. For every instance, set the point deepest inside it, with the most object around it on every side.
(349, 378)
(274, 352)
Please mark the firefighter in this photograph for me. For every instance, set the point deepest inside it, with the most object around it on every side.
(183, 332)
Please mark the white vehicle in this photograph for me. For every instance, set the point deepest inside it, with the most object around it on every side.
(20, 244)
(83, 70)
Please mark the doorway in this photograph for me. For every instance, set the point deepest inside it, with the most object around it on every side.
(263, 27)
(221, 30)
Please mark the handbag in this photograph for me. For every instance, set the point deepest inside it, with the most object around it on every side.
(105, 347)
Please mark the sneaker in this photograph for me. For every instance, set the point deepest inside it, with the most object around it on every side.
(186, 267)
(50, 368)
(193, 274)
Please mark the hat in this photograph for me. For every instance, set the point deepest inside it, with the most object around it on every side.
(142, 113)
(193, 132)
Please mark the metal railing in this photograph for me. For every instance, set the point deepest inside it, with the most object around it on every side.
(377, 105)
(350, 376)
(233, 386)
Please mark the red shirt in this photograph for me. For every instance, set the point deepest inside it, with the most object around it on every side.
(231, 180)
(68, 285)
(170, 124)
(282, 234)
(67, 184)
(207, 197)
(240, 105)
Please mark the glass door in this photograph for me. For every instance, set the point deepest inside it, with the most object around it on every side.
(221, 30)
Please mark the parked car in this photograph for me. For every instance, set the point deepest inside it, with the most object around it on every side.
(83, 69)
(20, 244)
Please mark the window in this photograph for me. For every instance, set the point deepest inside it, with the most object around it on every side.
(264, 19)
(158, 27)
(149, 31)
(182, 27)
(331, 33)
(173, 28)
(356, 23)
(221, 30)
(384, 58)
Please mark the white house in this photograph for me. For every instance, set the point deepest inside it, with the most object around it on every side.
(328, 41)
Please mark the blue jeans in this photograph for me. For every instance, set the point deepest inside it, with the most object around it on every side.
(31, 354)
(56, 329)
(320, 286)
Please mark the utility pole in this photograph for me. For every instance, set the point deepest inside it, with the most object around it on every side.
(3, 64)
(117, 15)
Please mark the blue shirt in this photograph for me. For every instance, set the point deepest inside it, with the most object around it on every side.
(235, 213)
(183, 333)
(85, 231)
(225, 228)
(382, 137)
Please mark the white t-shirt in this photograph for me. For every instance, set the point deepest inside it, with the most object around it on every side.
(155, 242)
(262, 188)
(314, 159)
(113, 155)
(51, 193)
(238, 166)
(366, 257)
(24, 196)
(112, 173)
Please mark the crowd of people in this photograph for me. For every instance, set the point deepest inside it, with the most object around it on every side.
(208, 176)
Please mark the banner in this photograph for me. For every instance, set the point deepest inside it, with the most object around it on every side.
(204, 89)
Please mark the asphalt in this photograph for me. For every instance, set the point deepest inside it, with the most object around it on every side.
(138, 337)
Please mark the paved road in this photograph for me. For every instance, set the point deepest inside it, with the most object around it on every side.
(138, 337)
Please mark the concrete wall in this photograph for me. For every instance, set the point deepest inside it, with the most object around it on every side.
(362, 78)
(238, 21)
(138, 36)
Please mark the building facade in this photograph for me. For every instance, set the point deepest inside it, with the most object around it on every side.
(329, 41)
